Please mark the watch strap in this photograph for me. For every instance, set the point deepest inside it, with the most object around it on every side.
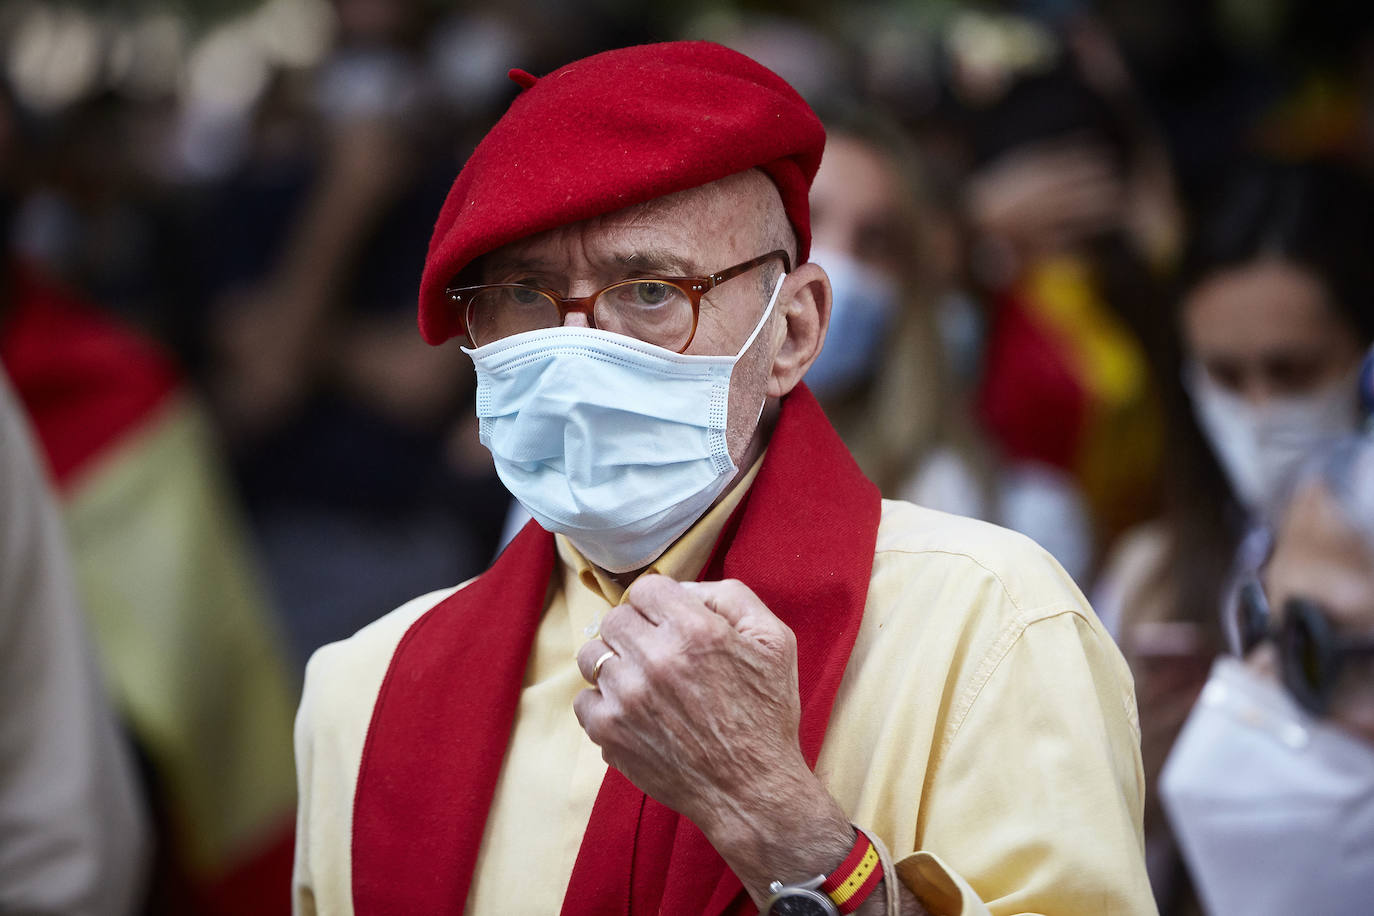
(891, 883)
(857, 876)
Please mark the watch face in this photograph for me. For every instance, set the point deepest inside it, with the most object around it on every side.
(799, 903)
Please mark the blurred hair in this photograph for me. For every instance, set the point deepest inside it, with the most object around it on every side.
(1057, 104)
(874, 129)
(1317, 216)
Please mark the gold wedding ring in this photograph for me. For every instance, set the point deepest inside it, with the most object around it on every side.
(596, 669)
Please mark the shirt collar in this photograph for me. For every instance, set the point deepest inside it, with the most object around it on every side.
(683, 560)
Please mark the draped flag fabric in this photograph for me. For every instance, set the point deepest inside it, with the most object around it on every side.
(183, 629)
(1068, 385)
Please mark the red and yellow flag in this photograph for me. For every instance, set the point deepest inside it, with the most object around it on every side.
(186, 637)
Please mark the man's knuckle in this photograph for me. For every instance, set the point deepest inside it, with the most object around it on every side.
(736, 590)
(601, 723)
(630, 695)
(581, 709)
(613, 624)
(584, 665)
(694, 628)
(656, 659)
(649, 587)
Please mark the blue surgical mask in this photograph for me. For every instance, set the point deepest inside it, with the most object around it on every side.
(864, 304)
(616, 443)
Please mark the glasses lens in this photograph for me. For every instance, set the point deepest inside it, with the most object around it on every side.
(1308, 660)
(649, 310)
(500, 311)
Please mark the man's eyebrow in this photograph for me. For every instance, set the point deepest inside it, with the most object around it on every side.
(495, 263)
(663, 261)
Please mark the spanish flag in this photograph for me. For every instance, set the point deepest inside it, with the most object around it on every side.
(184, 631)
(1069, 386)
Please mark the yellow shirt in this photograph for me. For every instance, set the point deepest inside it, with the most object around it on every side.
(985, 729)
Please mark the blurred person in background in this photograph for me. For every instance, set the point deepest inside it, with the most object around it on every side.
(1276, 319)
(1270, 787)
(1068, 204)
(1273, 318)
(184, 632)
(361, 477)
(880, 374)
(74, 831)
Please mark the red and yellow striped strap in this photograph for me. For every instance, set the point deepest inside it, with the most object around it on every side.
(857, 877)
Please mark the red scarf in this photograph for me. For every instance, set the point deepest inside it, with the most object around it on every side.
(802, 539)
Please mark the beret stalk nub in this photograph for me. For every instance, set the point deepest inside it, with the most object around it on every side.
(614, 130)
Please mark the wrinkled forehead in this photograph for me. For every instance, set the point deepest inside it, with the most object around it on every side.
(689, 233)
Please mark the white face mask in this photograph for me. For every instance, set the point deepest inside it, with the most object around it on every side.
(1273, 809)
(863, 305)
(1259, 447)
(616, 443)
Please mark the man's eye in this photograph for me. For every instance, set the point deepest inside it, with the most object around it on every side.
(524, 295)
(652, 293)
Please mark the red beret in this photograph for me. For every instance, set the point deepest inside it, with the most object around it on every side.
(613, 130)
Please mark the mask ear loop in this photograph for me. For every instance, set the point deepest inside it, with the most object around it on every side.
(758, 328)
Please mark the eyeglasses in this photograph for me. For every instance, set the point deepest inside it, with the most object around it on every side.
(1312, 653)
(659, 310)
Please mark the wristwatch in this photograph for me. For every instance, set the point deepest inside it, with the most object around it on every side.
(799, 899)
(838, 895)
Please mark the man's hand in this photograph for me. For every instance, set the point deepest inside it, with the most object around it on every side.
(700, 707)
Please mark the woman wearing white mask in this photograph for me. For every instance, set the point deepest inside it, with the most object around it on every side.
(1276, 310)
(1275, 344)
(1270, 787)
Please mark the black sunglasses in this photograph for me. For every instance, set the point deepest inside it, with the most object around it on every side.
(1312, 652)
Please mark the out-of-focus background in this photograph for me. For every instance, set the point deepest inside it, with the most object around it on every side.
(1059, 231)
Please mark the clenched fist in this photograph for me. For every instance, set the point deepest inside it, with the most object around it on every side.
(699, 707)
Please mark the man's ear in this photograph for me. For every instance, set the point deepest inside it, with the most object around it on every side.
(804, 302)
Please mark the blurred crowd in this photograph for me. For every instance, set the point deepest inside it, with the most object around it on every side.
(1102, 275)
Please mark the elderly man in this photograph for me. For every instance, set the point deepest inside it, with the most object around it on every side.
(731, 677)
